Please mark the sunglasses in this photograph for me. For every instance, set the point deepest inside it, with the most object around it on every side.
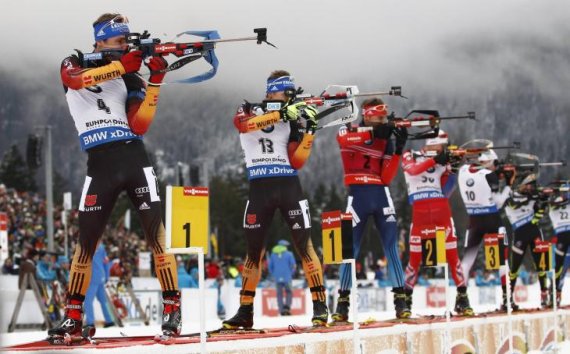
(378, 110)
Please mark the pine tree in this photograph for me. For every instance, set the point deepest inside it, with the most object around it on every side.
(14, 172)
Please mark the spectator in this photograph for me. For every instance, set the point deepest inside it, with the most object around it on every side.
(217, 284)
(194, 278)
(380, 274)
(212, 269)
(360, 273)
(99, 277)
(63, 270)
(8, 266)
(281, 267)
(184, 279)
(46, 267)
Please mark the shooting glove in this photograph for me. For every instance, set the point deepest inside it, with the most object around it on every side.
(309, 113)
(292, 112)
(537, 216)
(132, 61)
(156, 65)
(401, 135)
(456, 162)
(442, 158)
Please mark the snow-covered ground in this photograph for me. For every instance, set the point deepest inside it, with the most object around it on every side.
(8, 339)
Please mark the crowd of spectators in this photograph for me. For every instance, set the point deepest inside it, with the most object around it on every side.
(27, 231)
(27, 236)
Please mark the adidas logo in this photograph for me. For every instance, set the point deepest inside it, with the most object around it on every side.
(391, 218)
(296, 226)
(144, 206)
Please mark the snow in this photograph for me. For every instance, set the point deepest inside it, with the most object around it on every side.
(231, 346)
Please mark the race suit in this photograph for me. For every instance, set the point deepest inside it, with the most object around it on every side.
(560, 217)
(520, 210)
(479, 188)
(111, 111)
(430, 209)
(369, 167)
(272, 156)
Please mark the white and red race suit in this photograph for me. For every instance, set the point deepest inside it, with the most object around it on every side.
(427, 184)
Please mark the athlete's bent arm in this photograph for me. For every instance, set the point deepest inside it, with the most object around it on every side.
(415, 168)
(390, 163)
(299, 152)
(75, 77)
(140, 114)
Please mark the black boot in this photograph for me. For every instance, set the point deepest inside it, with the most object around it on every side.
(462, 306)
(409, 296)
(401, 304)
(514, 306)
(69, 325)
(171, 314)
(320, 314)
(342, 306)
(545, 299)
(242, 319)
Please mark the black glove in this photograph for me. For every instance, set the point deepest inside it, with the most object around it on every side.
(456, 162)
(401, 135)
(442, 158)
(311, 126)
(383, 131)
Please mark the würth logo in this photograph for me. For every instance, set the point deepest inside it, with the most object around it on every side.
(90, 199)
(251, 218)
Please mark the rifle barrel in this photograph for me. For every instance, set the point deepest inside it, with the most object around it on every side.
(544, 164)
(377, 93)
(221, 40)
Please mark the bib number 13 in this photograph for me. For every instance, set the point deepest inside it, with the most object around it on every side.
(266, 145)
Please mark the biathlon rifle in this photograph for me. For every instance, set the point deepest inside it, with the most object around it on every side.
(337, 97)
(545, 193)
(424, 118)
(523, 164)
(187, 52)
(462, 151)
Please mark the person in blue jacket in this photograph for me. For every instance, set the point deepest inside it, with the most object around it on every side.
(99, 277)
(46, 268)
(184, 279)
(281, 267)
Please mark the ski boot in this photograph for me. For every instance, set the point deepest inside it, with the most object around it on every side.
(342, 307)
(243, 318)
(320, 314)
(286, 311)
(462, 307)
(409, 295)
(69, 330)
(545, 299)
(514, 307)
(401, 304)
(171, 318)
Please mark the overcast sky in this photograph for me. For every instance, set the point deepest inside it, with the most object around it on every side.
(445, 45)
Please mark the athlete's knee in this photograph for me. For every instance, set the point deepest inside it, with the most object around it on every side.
(86, 247)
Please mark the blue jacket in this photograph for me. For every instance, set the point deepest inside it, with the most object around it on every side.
(44, 272)
(281, 264)
(184, 279)
(101, 266)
